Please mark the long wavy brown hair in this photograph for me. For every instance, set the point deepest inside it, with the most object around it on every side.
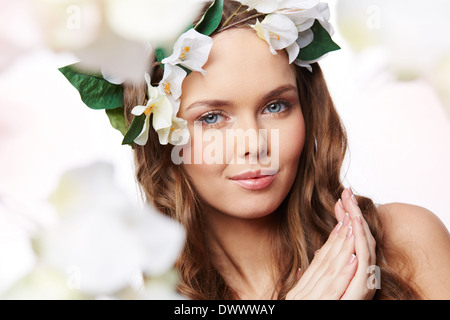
(308, 209)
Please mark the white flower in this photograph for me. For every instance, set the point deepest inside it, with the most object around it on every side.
(114, 35)
(164, 103)
(191, 50)
(304, 17)
(172, 80)
(19, 30)
(297, 4)
(43, 283)
(305, 38)
(280, 33)
(80, 27)
(303, 14)
(307, 64)
(162, 109)
(103, 240)
(118, 58)
(70, 24)
(171, 84)
(272, 6)
(179, 133)
(263, 6)
(151, 20)
(176, 134)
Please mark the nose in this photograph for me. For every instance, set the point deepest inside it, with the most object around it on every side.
(251, 140)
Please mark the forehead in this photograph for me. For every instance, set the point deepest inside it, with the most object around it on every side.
(240, 64)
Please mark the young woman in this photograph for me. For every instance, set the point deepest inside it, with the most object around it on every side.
(255, 231)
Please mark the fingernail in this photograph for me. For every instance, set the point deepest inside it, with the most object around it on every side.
(349, 231)
(350, 189)
(354, 199)
(340, 203)
(346, 219)
(353, 257)
(338, 226)
(299, 273)
(358, 217)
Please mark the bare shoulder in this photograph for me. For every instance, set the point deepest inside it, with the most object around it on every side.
(421, 235)
(407, 222)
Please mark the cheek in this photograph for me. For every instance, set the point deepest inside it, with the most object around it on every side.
(205, 147)
(204, 170)
(203, 176)
(292, 139)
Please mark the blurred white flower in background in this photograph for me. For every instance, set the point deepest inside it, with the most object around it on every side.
(116, 36)
(159, 21)
(18, 34)
(101, 245)
(102, 33)
(413, 39)
(95, 243)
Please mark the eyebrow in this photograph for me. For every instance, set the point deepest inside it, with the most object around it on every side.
(216, 103)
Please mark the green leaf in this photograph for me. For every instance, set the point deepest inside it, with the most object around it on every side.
(211, 19)
(321, 44)
(117, 119)
(135, 129)
(96, 92)
(188, 71)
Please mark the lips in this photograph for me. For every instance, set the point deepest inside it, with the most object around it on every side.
(254, 180)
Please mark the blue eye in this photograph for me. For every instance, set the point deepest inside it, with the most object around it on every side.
(275, 107)
(211, 118)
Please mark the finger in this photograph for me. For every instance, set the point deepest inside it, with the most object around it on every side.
(365, 246)
(361, 245)
(370, 239)
(334, 271)
(339, 206)
(351, 206)
(346, 194)
(316, 262)
(336, 236)
(339, 211)
(358, 287)
(338, 287)
(365, 243)
(338, 248)
(299, 274)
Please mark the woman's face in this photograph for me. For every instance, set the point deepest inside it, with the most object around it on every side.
(247, 111)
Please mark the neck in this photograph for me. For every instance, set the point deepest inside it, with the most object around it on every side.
(243, 253)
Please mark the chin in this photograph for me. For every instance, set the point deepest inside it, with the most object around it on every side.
(252, 209)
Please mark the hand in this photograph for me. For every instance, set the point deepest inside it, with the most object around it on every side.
(336, 272)
(332, 269)
(364, 247)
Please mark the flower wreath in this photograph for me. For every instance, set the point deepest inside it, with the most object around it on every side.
(300, 27)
